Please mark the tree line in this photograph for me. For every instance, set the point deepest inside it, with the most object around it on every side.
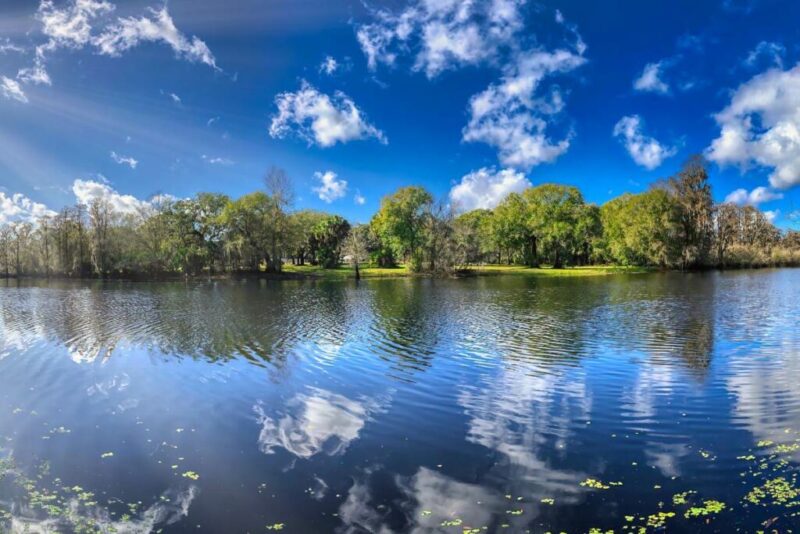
(675, 224)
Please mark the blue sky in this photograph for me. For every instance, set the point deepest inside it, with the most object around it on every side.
(470, 99)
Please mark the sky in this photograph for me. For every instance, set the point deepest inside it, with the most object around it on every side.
(132, 99)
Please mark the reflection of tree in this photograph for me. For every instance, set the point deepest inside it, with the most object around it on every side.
(670, 317)
(257, 320)
(410, 317)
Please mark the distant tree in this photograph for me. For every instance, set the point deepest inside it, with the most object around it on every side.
(401, 220)
(279, 188)
(328, 238)
(691, 189)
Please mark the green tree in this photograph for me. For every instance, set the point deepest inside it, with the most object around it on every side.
(400, 223)
(327, 239)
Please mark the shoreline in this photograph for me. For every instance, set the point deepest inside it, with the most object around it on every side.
(309, 272)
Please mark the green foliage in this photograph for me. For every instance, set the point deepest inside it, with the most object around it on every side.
(326, 240)
(641, 229)
(400, 221)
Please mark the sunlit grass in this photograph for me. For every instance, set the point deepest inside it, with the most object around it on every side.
(343, 272)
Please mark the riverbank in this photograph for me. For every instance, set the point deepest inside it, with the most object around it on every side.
(340, 273)
(314, 272)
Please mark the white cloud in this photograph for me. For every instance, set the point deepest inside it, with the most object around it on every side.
(11, 89)
(175, 98)
(444, 33)
(87, 191)
(329, 65)
(755, 197)
(318, 118)
(7, 46)
(76, 24)
(330, 186)
(650, 79)
(158, 27)
(217, 160)
(773, 52)
(359, 199)
(761, 126)
(486, 188)
(511, 117)
(645, 151)
(772, 215)
(70, 26)
(124, 160)
(19, 208)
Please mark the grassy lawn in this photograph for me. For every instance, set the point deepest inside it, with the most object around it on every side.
(341, 273)
(547, 271)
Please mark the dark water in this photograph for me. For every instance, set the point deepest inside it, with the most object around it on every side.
(499, 404)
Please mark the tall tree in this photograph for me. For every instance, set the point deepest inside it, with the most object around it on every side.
(692, 190)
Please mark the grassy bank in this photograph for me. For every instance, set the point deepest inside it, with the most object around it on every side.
(341, 273)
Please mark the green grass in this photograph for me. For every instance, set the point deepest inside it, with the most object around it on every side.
(341, 273)
(549, 272)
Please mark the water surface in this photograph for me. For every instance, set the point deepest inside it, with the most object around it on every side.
(504, 404)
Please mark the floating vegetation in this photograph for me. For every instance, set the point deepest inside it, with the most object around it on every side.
(551, 502)
(191, 475)
(659, 519)
(107, 455)
(776, 491)
(451, 523)
(58, 507)
(709, 507)
(681, 498)
(276, 526)
(594, 484)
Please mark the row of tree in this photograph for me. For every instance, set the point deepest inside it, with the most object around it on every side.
(675, 224)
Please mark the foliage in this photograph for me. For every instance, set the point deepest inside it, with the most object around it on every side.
(674, 224)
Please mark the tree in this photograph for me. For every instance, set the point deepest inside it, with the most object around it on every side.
(692, 191)
(249, 234)
(400, 222)
(356, 246)
(473, 236)
(328, 238)
(726, 224)
(553, 212)
(641, 229)
(279, 189)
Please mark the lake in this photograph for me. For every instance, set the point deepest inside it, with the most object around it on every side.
(665, 401)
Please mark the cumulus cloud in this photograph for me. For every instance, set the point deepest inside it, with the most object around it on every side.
(511, 116)
(359, 199)
(772, 215)
(755, 197)
(87, 191)
(127, 33)
(650, 79)
(443, 33)
(320, 119)
(761, 126)
(486, 188)
(645, 151)
(11, 89)
(19, 208)
(124, 160)
(330, 186)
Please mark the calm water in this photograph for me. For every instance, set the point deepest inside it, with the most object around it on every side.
(500, 404)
